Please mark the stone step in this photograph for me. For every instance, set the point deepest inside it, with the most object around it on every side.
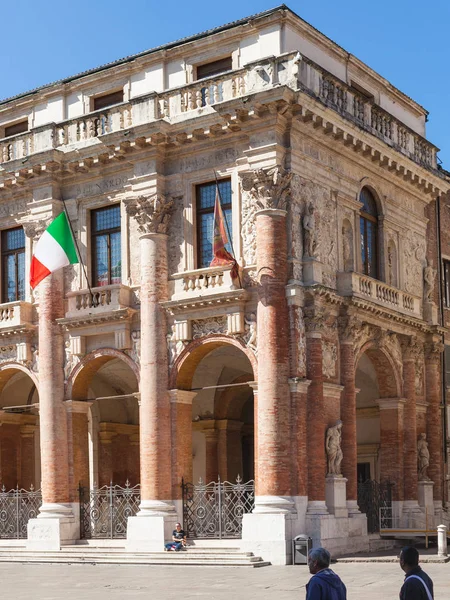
(156, 558)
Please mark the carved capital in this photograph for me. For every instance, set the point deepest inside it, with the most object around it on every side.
(314, 319)
(151, 213)
(34, 229)
(433, 351)
(412, 349)
(349, 328)
(269, 188)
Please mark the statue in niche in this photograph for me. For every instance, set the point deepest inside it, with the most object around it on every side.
(333, 448)
(310, 233)
(429, 275)
(423, 457)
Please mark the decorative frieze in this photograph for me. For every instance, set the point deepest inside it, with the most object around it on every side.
(329, 359)
(203, 327)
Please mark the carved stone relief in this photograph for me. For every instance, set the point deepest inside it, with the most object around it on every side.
(347, 246)
(329, 359)
(392, 266)
(174, 347)
(135, 351)
(251, 336)
(8, 353)
(269, 188)
(419, 378)
(204, 327)
(248, 230)
(414, 261)
(70, 360)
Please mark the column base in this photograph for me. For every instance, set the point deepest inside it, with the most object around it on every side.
(317, 508)
(274, 505)
(353, 509)
(335, 495)
(156, 508)
(412, 515)
(54, 527)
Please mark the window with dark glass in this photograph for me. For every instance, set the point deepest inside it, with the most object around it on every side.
(16, 128)
(206, 195)
(106, 258)
(13, 265)
(369, 233)
(108, 100)
(446, 269)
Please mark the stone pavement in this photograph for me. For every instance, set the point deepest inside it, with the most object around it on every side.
(108, 582)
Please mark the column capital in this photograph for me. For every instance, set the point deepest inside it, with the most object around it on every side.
(152, 213)
(78, 406)
(433, 351)
(181, 396)
(315, 320)
(106, 437)
(390, 403)
(298, 385)
(270, 188)
(412, 348)
(332, 390)
(27, 431)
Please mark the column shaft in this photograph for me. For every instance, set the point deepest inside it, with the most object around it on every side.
(316, 422)
(410, 431)
(273, 414)
(434, 421)
(155, 429)
(391, 446)
(52, 412)
(348, 417)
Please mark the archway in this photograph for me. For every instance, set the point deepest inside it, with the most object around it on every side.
(19, 430)
(104, 390)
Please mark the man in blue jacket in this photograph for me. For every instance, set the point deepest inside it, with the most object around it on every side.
(418, 585)
(324, 584)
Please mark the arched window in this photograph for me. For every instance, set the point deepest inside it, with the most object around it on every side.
(369, 233)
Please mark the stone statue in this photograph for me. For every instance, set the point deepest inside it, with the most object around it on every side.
(429, 275)
(333, 448)
(423, 457)
(252, 331)
(310, 234)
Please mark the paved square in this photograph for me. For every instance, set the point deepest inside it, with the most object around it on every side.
(365, 581)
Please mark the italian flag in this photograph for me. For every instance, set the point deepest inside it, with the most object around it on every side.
(54, 250)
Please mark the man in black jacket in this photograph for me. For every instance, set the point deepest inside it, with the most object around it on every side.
(417, 585)
(325, 584)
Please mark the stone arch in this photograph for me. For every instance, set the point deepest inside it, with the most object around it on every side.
(388, 375)
(372, 186)
(84, 371)
(8, 370)
(183, 370)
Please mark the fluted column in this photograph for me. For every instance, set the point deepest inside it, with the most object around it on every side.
(270, 190)
(153, 216)
(434, 415)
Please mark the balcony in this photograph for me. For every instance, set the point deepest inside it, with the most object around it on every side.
(205, 96)
(203, 288)
(15, 315)
(377, 292)
(103, 301)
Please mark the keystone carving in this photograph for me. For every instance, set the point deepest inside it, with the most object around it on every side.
(269, 188)
(151, 213)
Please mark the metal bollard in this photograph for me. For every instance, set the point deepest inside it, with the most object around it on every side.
(442, 540)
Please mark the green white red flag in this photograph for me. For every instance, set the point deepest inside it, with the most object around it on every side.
(220, 239)
(54, 250)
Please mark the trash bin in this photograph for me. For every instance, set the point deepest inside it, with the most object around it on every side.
(301, 545)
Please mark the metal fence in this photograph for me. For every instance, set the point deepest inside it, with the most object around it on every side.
(375, 499)
(104, 511)
(215, 510)
(17, 507)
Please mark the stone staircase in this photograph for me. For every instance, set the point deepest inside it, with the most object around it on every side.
(90, 554)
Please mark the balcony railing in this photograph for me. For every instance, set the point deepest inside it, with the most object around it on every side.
(14, 314)
(287, 69)
(102, 300)
(191, 285)
(355, 284)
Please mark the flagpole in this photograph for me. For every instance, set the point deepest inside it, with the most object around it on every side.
(78, 252)
(230, 238)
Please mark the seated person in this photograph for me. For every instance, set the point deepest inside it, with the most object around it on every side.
(178, 539)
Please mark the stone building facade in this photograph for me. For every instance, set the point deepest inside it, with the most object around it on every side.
(167, 369)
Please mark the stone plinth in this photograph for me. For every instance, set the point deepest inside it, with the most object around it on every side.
(335, 495)
(148, 532)
(425, 495)
(312, 271)
(55, 526)
(430, 313)
(270, 535)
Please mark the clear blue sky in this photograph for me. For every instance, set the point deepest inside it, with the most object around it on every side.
(406, 41)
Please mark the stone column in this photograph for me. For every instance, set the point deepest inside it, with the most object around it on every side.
(299, 395)
(157, 516)
(268, 526)
(314, 325)
(229, 450)
(181, 409)
(27, 455)
(412, 353)
(348, 327)
(391, 443)
(55, 523)
(80, 411)
(106, 456)
(211, 452)
(434, 417)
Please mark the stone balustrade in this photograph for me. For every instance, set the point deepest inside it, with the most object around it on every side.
(103, 299)
(288, 69)
(378, 292)
(199, 283)
(14, 314)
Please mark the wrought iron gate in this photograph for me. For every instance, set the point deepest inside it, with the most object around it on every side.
(375, 499)
(104, 511)
(17, 507)
(215, 510)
